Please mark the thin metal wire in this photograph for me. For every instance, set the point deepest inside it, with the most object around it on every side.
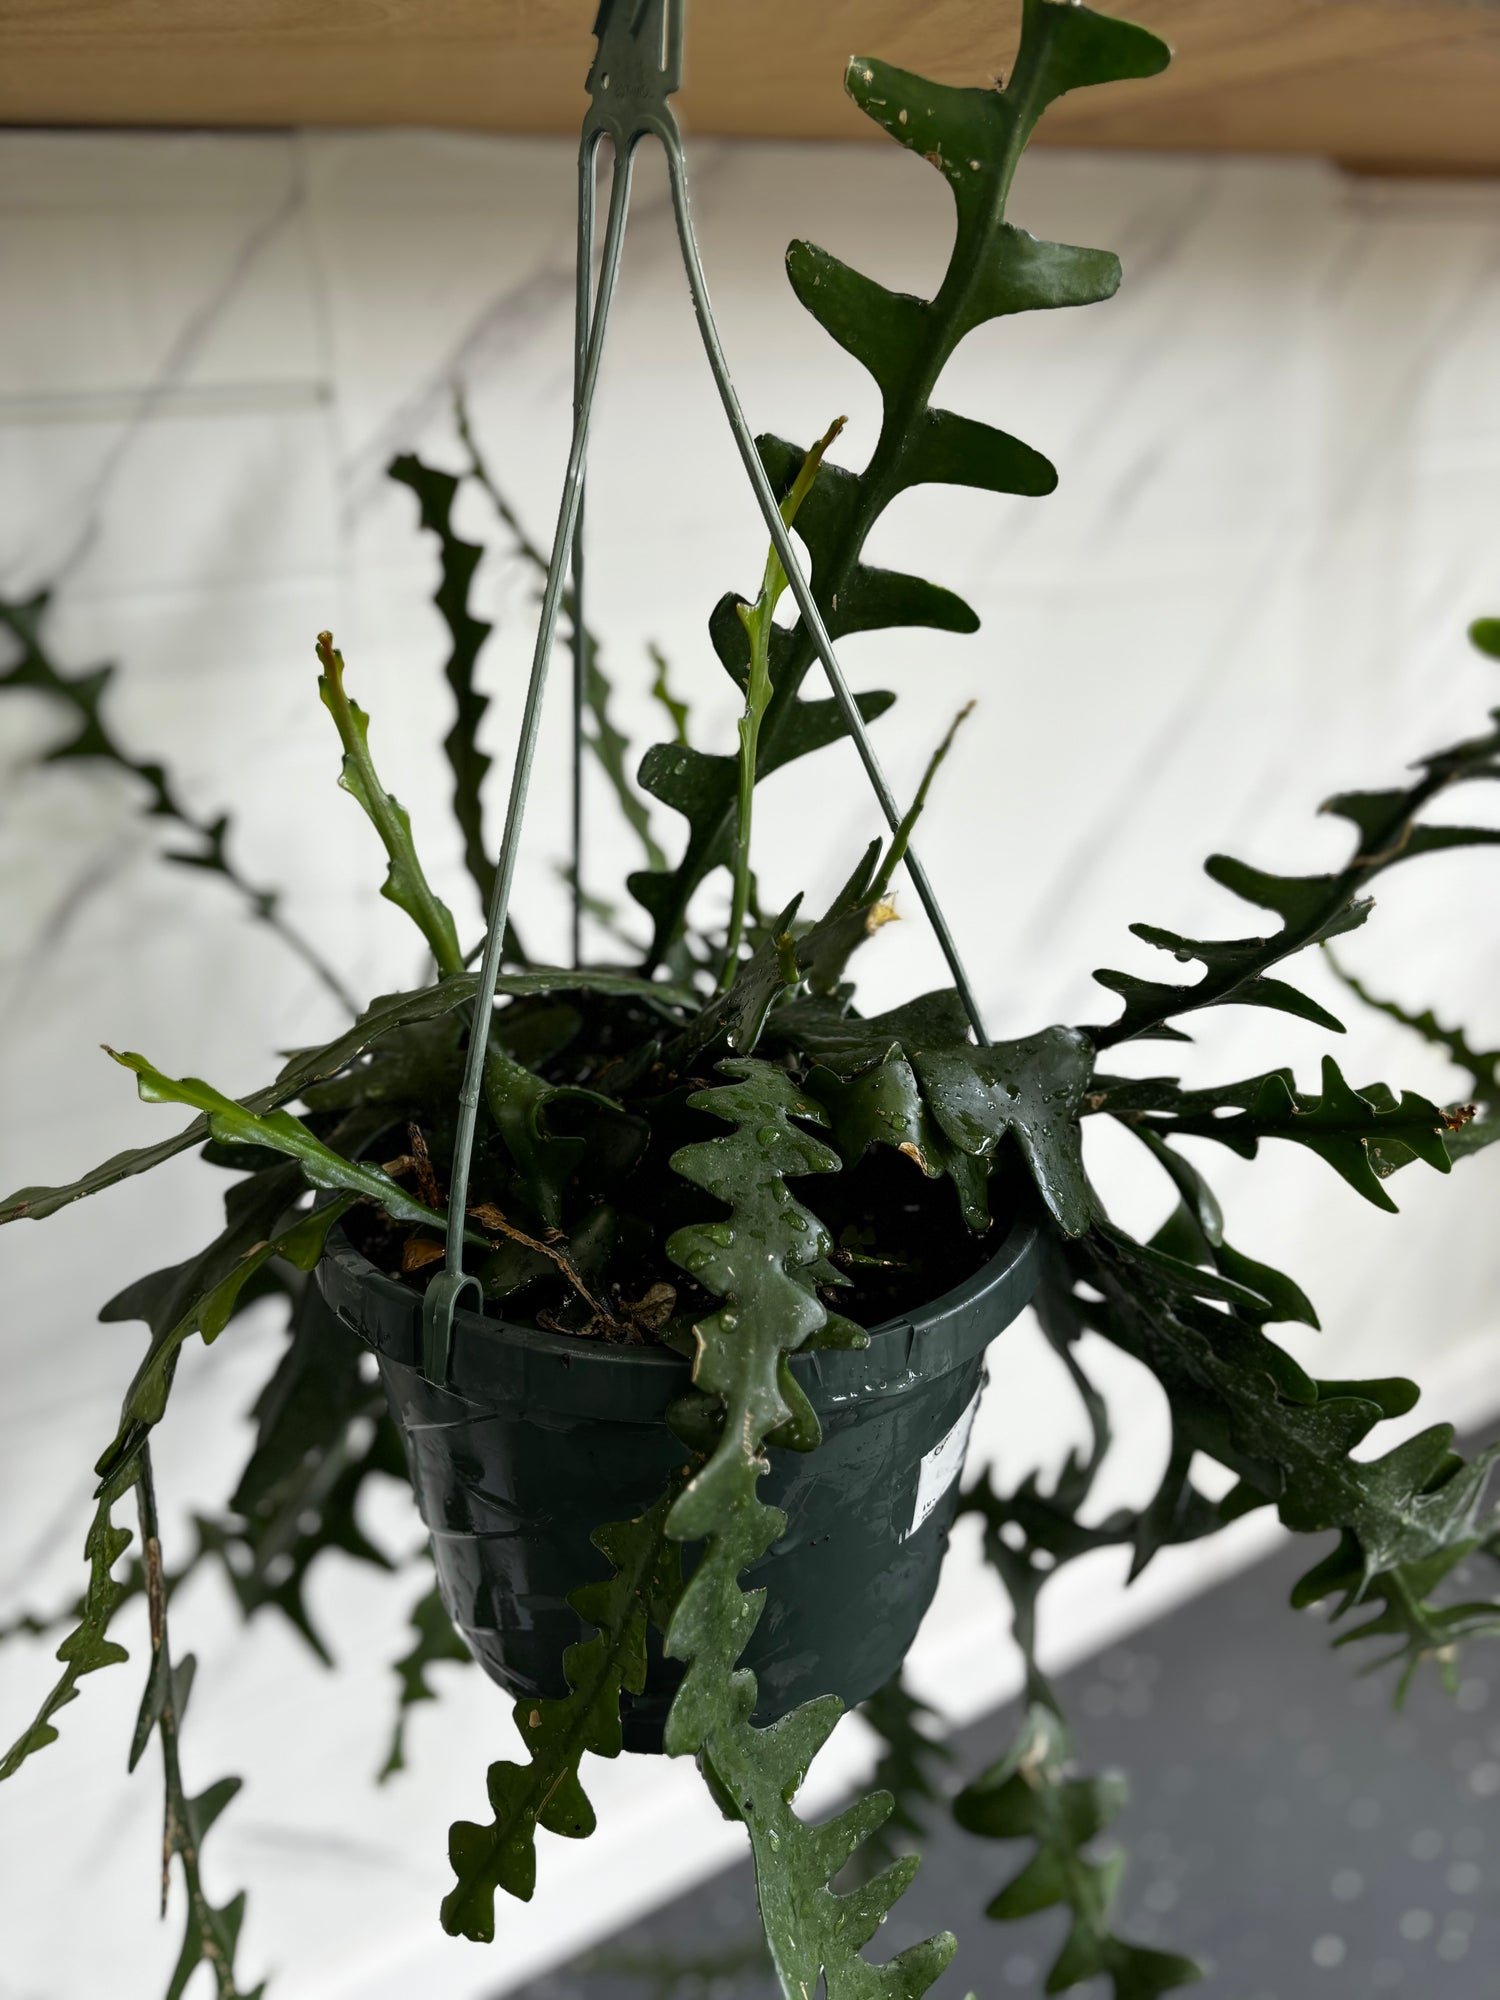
(443, 1294)
(800, 587)
(588, 161)
(637, 67)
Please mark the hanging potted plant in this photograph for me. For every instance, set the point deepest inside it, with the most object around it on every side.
(681, 1273)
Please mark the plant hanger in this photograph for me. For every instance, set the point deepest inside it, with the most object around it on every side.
(740, 1248)
(636, 69)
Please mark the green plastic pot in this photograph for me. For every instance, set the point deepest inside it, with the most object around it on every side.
(536, 1438)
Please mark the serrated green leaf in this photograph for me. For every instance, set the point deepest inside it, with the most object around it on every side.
(1031, 1795)
(950, 450)
(1031, 1089)
(884, 1106)
(310, 1066)
(1364, 1135)
(731, 1024)
(677, 711)
(83, 694)
(1068, 47)
(974, 138)
(1173, 1277)
(436, 492)
(521, 1104)
(322, 1435)
(87, 1647)
(696, 784)
(1400, 1607)
(1062, 48)
(824, 951)
(1033, 1791)
(210, 1933)
(761, 1260)
(764, 1251)
(546, 1792)
(909, 1767)
(1176, 1513)
(201, 1294)
(435, 1642)
(1312, 908)
(231, 1124)
(406, 883)
(758, 621)
(882, 329)
(1194, 1233)
(1402, 1511)
(876, 600)
(1483, 1065)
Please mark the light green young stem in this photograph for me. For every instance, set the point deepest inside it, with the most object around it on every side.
(759, 621)
(903, 833)
(406, 884)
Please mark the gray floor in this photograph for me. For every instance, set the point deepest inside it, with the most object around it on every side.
(1287, 1827)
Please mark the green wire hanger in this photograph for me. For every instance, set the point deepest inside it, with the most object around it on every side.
(637, 67)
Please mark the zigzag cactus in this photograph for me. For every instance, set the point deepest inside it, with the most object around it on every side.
(974, 138)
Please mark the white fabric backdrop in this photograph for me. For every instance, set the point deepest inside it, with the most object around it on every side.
(1280, 457)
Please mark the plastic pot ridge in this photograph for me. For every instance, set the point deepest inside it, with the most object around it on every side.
(537, 1438)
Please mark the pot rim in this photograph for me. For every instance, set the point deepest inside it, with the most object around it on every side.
(493, 1358)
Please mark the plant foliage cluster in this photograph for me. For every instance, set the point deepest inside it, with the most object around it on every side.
(695, 1148)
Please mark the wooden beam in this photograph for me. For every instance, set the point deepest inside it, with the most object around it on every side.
(1407, 84)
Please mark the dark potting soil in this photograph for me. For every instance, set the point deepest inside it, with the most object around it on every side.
(898, 1243)
(898, 1237)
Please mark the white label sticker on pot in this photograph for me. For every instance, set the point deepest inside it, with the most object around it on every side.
(941, 1466)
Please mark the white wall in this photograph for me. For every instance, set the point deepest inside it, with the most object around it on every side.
(1280, 457)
